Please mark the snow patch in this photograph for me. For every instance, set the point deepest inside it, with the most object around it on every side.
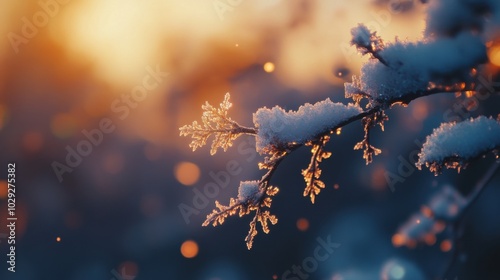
(278, 127)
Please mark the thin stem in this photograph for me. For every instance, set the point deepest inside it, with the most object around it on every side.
(471, 198)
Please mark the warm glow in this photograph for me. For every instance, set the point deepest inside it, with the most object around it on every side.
(420, 111)
(302, 224)
(187, 173)
(494, 55)
(58, 239)
(446, 245)
(268, 67)
(339, 131)
(336, 186)
(115, 35)
(398, 239)
(189, 249)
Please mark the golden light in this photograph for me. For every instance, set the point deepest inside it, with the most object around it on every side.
(494, 55)
(189, 249)
(302, 224)
(469, 93)
(268, 67)
(58, 239)
(114, 35)
(446, 245)
(339, 131)
(187, 173)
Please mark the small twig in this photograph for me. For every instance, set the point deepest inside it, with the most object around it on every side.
(471, 198)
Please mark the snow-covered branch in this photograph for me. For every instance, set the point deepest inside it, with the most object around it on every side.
(447, 61)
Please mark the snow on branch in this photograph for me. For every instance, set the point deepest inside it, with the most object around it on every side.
(453, 145)
(279, 128)
(217, 122)
(410, 69)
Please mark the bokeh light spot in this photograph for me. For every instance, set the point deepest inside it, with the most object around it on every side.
(398, 239)
(189, 249)
(397, 272)
(494, 55)
(302, 224)
(58, 239)
(128, 269)
(446, 245)
(269, 67)
(187, 173)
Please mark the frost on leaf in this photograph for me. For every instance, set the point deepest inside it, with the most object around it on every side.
(252, 196)
(453, 145)
(369, 122)
(217, 122)
(313, 172)
(279, 128)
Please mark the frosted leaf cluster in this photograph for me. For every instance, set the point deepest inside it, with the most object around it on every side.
(279, 128)
(453, 144)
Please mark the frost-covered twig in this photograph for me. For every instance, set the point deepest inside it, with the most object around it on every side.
(399, 73)
(215, 122)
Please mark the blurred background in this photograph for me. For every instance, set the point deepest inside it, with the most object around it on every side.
(74, 68)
